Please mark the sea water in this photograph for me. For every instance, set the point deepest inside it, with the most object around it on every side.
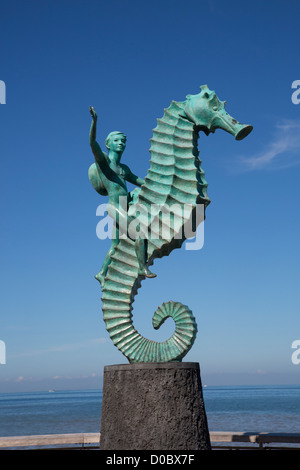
(253, 409)
(55, 412)
(234, 409)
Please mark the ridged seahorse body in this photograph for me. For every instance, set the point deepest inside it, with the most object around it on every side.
(175, 179)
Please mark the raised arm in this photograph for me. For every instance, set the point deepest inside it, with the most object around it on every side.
(100, 156)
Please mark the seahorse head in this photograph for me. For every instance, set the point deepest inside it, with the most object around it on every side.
(208, 113)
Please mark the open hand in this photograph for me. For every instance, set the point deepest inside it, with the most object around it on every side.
(93, 113)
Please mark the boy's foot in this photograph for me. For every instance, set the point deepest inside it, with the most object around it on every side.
(100, 278)
(145, 272)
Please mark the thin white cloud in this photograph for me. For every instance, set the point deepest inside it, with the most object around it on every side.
(282, 152)
(261, 372)
(56, 378)
(61, 348)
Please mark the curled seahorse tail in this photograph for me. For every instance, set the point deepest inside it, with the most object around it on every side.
(118, 292)
(140, 349)
(185, 330)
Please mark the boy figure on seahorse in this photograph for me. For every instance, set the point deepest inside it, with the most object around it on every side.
(108, 176)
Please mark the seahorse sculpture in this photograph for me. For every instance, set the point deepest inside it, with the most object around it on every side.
(175, 179)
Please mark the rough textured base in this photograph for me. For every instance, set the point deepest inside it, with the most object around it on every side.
(154, 406)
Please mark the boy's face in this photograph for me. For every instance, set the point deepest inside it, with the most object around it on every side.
(117, 143)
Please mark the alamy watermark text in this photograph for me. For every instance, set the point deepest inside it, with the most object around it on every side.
(184, 222)
(296, 94)
(296, 353)
(2, 92)
(2, 352)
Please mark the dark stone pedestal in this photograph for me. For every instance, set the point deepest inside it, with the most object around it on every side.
(155, 406)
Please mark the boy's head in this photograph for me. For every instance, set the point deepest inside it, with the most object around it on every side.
(117, 140)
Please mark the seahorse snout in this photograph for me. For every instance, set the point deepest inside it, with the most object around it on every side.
(223, 120)
(243, 132)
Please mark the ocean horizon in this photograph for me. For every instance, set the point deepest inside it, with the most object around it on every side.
(244, 408)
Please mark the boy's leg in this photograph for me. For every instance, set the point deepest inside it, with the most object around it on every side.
(140, 250)
(107, 260)
(123, 221)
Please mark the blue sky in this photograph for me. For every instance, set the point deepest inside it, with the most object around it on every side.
(129, 59)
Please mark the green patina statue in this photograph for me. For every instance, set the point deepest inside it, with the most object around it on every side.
(174, 184)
